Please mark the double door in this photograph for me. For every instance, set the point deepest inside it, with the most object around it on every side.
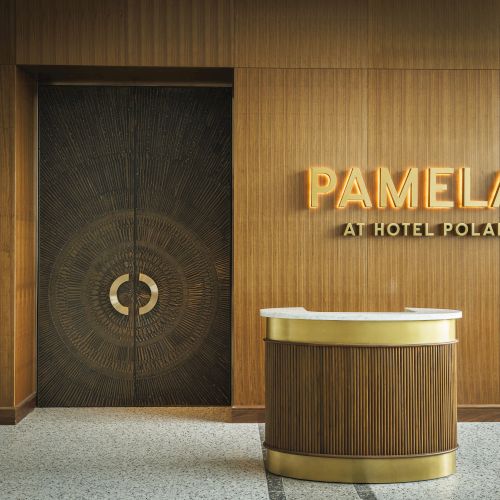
(134, 302)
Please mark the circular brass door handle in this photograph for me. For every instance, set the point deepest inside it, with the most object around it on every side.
(115, 302)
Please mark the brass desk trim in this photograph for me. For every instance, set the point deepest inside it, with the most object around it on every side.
(332, 332)
(361, 470)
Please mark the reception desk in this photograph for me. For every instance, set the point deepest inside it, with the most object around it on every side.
(361, 397)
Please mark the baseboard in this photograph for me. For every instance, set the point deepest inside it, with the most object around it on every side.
(479, 413)
(256, 414)
(466, 413)
(248, 414)
(13, 415)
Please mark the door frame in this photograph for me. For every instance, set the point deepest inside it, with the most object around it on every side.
(27, 138)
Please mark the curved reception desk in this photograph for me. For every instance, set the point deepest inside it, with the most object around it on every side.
(361, 397)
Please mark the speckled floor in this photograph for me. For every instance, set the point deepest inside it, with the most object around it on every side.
(178, 453)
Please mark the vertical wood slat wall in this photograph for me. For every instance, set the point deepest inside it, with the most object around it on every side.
(341, 83)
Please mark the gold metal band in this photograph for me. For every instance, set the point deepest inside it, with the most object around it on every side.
(361, 470)
(113, 294)
(331, 332)
(153, 288)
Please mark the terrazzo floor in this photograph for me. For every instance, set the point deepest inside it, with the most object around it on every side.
(180, 453)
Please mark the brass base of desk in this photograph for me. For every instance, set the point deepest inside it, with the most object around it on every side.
(361, 470)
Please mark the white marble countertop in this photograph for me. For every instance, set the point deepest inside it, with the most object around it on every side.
(409, 314)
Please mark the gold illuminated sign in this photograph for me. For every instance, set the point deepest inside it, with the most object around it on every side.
(443, 188)
(421, 229)
(433, 188)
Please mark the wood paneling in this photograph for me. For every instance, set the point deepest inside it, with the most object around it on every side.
(299, 34)
(454, 34)
(17, 237)
(447, 34)
(7, 199)
(76, 32)
(125, 32)
(287, 120)
(361, 401)
(25, 238)
(7, 32)
(173, 33)
(285, 254)
(440, 118)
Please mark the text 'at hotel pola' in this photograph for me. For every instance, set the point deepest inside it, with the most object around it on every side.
(433, 188)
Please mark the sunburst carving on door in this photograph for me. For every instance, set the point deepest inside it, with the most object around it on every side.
(134, 183)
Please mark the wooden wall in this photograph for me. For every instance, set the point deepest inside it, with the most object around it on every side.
(124, 32)
(17, 243)
(284, 254)
(25, 240)
(7, 173)
(333, 82)
(379, 87)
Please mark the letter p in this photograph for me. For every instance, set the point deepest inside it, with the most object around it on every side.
(322, 180)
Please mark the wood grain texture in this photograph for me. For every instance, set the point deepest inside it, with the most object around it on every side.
(247, 414)
(285, 254)
(17, 237)
(299, 34)
(7, 200)
(14, 414)
(25, 238)
(479, 413)
(173, 33)
(7, 32)
(285, 121)
(440, 118)
(125, 32)
(449, 34)
(361, 401)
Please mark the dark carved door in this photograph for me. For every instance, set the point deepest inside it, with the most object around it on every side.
(135, 246)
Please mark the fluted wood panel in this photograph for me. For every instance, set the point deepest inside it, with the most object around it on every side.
(435, 118)
(454, 34)
(450, 34)
(7, 32)
(300, 34)
(174, 33)
(285, 254)
(361, 401)
(125, 32)
(447, 34)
